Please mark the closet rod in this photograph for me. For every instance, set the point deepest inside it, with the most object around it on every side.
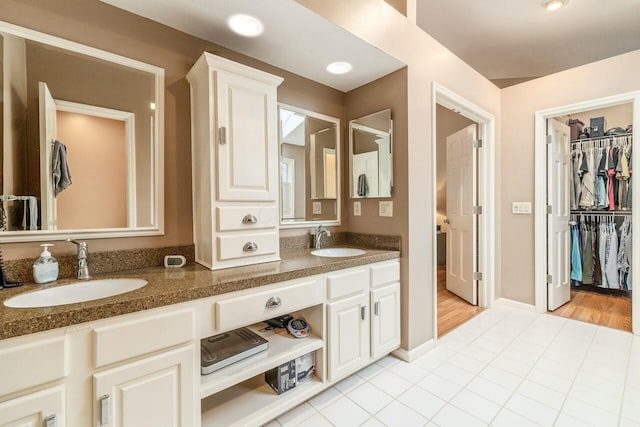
(596, 138)
(602, 213)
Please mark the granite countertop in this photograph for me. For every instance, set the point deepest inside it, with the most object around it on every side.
(171, 286)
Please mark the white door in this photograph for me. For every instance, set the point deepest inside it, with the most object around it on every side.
(247, 139)
(48, 134)
(461, 184)
(348, 335)
(558, 234)
(32, 409)
(385, 319)
(155, 391)
(367, 164)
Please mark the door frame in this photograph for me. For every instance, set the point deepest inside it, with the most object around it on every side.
(540, 147)
(486, 195)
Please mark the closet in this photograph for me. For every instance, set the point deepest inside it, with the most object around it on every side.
(597, 246)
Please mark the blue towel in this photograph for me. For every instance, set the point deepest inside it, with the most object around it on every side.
(61, 174)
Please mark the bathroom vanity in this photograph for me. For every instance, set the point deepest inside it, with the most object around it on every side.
(133, 359)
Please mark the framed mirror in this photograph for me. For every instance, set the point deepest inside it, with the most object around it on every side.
(82, 141)
(371, 156)
(309, 168)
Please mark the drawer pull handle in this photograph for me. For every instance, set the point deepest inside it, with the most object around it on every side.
(273, 302)
(50, 421)
(363, 312)
(250, 247)
(104, 409)
(376, 308)
(249, 219)
(223, 135)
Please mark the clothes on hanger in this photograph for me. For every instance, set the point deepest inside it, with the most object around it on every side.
(601, 252)
(601, 174)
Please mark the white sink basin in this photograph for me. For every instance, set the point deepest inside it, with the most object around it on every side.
(76, 292)
(338, 252)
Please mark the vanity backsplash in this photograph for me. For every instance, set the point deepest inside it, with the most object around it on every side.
(101, 262)
(373, 241)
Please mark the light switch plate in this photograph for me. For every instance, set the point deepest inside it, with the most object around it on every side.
(317, 208)
(357, 208)
(385, 208)
(521, 208)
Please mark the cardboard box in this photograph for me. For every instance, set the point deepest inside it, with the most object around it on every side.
(288, 375)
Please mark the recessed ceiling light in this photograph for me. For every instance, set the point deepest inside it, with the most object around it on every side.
(552, 5)
(339, 67)
(245, 25)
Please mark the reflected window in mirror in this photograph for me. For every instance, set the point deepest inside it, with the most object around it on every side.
(309, 168)
(82, 140)
(371, 156)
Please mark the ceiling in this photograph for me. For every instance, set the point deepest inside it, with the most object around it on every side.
(509, 41)
(294, 38)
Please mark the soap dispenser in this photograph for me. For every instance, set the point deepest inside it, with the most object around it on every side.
(45, 269)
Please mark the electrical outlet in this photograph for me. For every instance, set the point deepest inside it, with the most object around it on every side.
(317, 208)
(357, 208)
(385, 208)
(521, 208)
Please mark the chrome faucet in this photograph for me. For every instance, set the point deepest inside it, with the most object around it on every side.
(83, 264)
(318, 235)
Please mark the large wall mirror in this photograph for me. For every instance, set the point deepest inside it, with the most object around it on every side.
(82, 147)
(371, 155)
(309, 168)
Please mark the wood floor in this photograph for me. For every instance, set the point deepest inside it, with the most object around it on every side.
(453, 311)
(613, 311)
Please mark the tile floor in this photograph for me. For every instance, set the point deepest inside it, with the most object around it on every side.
(504, 367)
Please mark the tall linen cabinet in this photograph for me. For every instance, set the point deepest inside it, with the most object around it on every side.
(234, 151)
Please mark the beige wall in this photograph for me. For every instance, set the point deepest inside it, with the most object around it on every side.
(447, 123)
(519, 103)
(99, 25)
(97, 198)
(427, 61)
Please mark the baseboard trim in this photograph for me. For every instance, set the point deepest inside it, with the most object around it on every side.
(505, 302)
(411, 355)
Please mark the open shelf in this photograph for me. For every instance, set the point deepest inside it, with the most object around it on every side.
(253, 402)
(282, 348)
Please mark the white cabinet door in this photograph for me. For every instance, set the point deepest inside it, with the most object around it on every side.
(247, 138)
(32, 409)
(385, 319)
(348, 335)
(154, 391)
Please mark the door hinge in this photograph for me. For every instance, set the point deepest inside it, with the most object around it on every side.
(477, 143)
(549, 209)
(477, 210)
(549, 139)
(549, 278)
(477, 275)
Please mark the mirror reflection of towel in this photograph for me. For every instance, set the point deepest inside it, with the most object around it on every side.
(61, 174)
(363, 187)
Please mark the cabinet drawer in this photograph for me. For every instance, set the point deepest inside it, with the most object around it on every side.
(347, 282)
(385, 273)
(146, 333)
(34, 362)
(247, 245)
(246, 309)
(249, 217)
